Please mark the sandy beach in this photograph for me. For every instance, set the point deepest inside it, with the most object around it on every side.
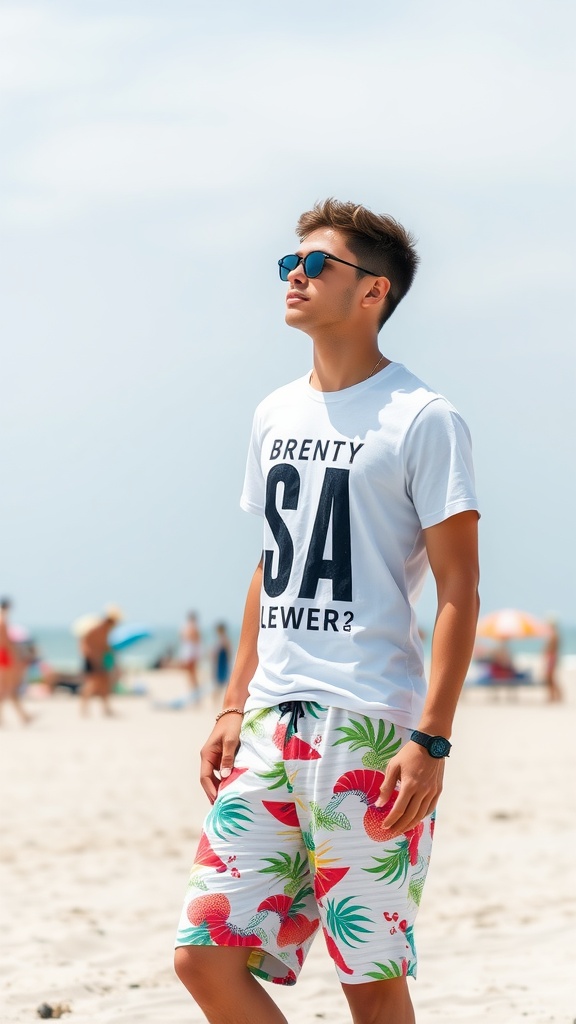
(100, 820)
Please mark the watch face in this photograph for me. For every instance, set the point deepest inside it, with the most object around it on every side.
(439, 747)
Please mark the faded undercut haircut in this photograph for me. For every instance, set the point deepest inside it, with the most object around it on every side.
(378, 242)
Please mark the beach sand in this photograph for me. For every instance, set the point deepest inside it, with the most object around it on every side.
(99, 823)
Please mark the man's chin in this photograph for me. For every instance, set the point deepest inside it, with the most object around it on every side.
(295, 318)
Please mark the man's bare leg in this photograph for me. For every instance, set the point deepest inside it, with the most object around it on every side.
(10, 680)
(193, 681)
(219, 981)
(86, 692)
(25, 718)
(102, 689)
(380, 1002)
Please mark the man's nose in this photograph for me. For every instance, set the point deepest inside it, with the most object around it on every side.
(298, 273)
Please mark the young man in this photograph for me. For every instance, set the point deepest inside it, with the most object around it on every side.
(326, 763)
(98, 667)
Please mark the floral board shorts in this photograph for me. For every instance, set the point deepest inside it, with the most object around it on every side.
(294, 843)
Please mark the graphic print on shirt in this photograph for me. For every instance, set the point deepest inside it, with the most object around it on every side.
(346, 484)
(331, 526)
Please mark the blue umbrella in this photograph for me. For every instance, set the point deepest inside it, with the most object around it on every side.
(128, 633)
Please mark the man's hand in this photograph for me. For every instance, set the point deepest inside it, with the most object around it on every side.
(217, 754)
(419, 779)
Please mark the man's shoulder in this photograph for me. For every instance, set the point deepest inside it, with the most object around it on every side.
(411, 396)
(404, 381)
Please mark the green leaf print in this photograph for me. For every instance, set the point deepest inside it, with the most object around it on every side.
(346, 923)
(312, 707)
(227, 816)
(394, 867)
(386, 972)
(298, 903)
(194, 936)
(328, 818)
(254, 721)
(415, 889)
(283, 867)
(308, 840)
(196, 881)
(278, 777)
(409, 933)
(254, 925)
(381, 745)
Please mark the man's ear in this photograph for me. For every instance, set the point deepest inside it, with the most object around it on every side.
(377, 292)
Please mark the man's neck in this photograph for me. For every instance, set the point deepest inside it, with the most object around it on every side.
(340, 364)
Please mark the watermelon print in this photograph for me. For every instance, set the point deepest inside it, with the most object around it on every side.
(205, 855)
(294, 844)
(297, 750)
(282, 811)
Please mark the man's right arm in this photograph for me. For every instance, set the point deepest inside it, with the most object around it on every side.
(217, 754)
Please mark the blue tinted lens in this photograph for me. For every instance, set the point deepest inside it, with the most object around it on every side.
(314, 264)
(286, 264)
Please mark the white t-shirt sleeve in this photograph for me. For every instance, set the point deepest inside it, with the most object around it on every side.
(439, 474)
(253, 492)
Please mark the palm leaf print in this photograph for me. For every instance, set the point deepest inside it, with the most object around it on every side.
(387, 971)
(394, 867)
(312, 707)
(254, 721)
(346, 922)
(409, 933)
(299, 901)
(284, 867)
(195, 936)
(278, 777)
(381, 746)
(228, 815)
(308, 840)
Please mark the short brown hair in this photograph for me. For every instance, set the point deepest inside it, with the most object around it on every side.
(378, 242)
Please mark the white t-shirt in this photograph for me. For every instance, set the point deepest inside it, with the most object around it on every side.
(346, 481)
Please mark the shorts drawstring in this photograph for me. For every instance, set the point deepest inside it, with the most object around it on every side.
(296, 710)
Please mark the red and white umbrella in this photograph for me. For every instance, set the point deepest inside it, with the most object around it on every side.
(512, 624)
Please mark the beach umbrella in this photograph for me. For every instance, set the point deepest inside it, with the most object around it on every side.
(128, 633)
(512, 624)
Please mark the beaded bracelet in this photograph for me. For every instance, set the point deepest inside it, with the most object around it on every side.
(229, 711)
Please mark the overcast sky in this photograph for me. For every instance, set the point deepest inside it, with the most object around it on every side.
(154, 160)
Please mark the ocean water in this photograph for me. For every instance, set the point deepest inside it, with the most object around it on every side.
(59, 647)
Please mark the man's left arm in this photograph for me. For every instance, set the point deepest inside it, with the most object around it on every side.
(452, 548)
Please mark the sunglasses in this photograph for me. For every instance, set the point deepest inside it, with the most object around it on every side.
(313, 264)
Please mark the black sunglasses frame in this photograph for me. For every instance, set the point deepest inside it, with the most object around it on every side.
(315, 252)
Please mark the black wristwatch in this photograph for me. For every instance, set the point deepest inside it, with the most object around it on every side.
(437, 746)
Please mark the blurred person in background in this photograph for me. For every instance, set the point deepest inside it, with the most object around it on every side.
(99, 668)
(222, 656)
(551, 659)
(190, 652)
(11, 665)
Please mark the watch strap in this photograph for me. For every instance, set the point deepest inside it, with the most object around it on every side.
(427, 741)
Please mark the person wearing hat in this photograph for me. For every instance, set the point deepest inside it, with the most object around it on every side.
(98, 660)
